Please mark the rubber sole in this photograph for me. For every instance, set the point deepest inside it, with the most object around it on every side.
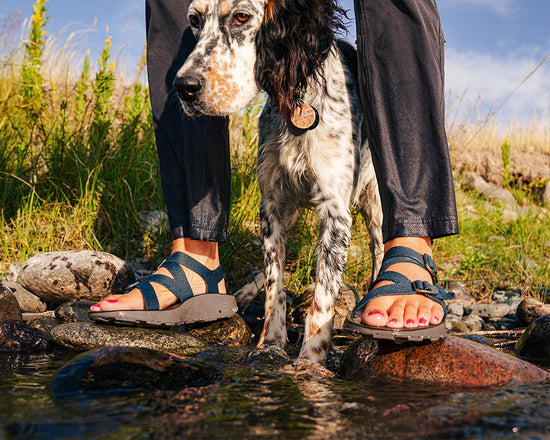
(432, 333)
(207, 307)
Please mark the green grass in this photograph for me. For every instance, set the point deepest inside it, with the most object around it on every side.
(78, 164)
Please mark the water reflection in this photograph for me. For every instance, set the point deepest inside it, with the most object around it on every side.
(253, 402)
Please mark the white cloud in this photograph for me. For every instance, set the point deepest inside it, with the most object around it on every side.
(486, 82)
(501, 7)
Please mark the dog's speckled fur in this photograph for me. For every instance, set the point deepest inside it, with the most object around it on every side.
(328, 168)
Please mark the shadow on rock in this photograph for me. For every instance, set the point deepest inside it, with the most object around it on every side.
(126, 369)
(534, 344)
(450, 361)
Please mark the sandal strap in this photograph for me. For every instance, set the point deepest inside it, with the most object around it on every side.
(402, 254)
(178, 284)
(403, 285)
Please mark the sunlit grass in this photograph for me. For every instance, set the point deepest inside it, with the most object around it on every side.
(78, 164)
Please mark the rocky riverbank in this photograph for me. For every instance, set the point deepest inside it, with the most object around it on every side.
(44, 304)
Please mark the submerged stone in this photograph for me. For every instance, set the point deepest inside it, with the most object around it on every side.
(450, 361)
(88, 336)
(60, 277)
(18, 336)
(534, 344)
(128, 369)
(9, 307)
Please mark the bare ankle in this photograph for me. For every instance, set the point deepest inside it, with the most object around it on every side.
(422, 245)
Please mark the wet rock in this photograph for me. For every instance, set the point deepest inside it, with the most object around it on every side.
(462, 296)
(489, 310)
(9, 307)
(86, 336)
(18, 336)
(232, 332)
(129, 369)
(74, 311)
(529, 310)
(254, 316)
(450, 361)
(28, 301)
(534, 344)
(346, 302)
(474, 182)
(45, 322)
(506, 323)
(272, 357)
(60, 277)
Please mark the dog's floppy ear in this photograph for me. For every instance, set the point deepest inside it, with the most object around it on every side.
(291, 45)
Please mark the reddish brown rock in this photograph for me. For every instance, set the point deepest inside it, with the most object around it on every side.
(450, 361)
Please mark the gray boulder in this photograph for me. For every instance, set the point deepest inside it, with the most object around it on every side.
(60, 277)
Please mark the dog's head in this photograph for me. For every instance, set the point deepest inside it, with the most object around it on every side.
(244, 46)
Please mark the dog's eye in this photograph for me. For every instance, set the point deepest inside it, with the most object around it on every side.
(240, 18)
(194, 20)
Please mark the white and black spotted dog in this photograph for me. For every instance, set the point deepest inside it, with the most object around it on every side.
(312, 151)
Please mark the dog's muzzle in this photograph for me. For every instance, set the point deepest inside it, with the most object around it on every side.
(188, 87)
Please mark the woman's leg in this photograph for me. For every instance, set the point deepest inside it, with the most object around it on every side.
(400, 46)
(193, 156)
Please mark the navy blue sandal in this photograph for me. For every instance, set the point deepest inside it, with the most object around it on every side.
(402, 286)
(205, 307)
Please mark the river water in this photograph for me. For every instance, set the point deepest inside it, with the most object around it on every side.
(263, 402)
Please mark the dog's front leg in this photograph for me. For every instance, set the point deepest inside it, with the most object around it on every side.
(274, 229)
(333, 245)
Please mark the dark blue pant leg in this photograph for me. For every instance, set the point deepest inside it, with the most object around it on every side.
(400, 44)
(193, 152)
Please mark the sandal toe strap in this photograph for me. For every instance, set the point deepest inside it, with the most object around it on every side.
(178, 283)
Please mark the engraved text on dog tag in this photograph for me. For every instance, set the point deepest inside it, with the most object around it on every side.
(304, 116)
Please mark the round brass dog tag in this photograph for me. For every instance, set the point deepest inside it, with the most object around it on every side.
(303, 116)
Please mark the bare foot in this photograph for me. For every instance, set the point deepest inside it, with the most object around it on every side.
(204, 252)
(405, 311)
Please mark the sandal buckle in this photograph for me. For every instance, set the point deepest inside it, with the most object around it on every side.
(430, 266)
(424, 287)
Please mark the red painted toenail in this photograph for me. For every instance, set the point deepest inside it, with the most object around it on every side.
(111, 300)
(375, 312)
(410, 321)
(422, 321)
(393, 320)
(436, 318)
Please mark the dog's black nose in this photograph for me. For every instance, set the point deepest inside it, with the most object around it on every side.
(188, 87)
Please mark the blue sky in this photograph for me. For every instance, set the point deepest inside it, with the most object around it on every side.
(492, 46)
